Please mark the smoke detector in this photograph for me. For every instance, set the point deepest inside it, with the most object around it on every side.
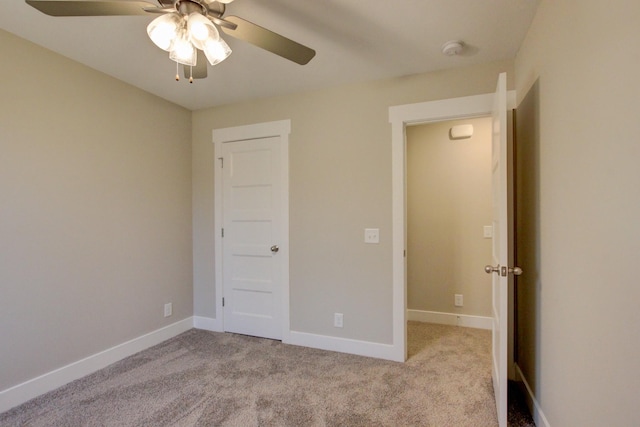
(452, 47)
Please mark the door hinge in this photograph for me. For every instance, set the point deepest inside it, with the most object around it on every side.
(404, 253)
(221, 162)
(223, 301)
(222, 232)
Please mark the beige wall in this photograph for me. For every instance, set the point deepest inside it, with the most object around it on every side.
(585, 365)
(448, 203)
(340, 184)
(95, 211)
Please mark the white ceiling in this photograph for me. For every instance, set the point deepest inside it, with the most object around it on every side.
(355, 40)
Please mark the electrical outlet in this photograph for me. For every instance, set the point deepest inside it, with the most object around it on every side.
(338, 320)
(458, 300)
(168, 309)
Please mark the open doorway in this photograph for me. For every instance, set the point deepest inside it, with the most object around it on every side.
(403, 116)
(448, 169)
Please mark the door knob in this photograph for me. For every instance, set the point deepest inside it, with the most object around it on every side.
(275, 248)
(490, 269)
(516, 271)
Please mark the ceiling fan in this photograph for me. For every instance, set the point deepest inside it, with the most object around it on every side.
(185, 28)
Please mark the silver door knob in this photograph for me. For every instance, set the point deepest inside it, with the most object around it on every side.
(275, 248)
(516, 271)
(490, 269)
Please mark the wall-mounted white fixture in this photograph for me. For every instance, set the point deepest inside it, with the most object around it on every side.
(338, 320)
(372, 235)
(453, 47)
(461, 132)
(458, 300)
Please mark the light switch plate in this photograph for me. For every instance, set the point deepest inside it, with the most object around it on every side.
(338, 320)
(488, 231)
(372, 235)
(458, 300)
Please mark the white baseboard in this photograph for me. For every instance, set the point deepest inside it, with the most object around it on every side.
(466, 320)
(21, 393)
(207, 323)
(536, 411)
(345, 345)
(323, 342)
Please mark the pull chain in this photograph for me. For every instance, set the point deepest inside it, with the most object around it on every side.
(177, 73)
(190, 74)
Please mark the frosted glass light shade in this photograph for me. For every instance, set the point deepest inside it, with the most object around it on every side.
(163, 30)
(182, 51)
(201, 30)
(216, 51)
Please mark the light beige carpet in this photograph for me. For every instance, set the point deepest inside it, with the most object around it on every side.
(212, 379)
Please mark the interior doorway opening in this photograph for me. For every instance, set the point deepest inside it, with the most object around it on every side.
(448, 197)
(495, 105)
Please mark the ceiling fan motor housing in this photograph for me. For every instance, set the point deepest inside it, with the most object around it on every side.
(186, 7)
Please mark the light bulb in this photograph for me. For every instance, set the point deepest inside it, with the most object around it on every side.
(183, 51)
(200, 30)
(163, 30)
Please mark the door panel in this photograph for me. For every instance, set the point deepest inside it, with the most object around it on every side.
(252, 225)
(500, 249)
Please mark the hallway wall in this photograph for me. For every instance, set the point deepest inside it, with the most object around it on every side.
(448, 204)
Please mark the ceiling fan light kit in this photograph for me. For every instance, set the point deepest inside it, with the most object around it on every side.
(184, 28)
(181, 35)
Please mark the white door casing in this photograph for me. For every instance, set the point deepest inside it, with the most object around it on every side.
(251, 206)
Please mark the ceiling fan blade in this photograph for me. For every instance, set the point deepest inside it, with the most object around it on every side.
(90, 8)
(269, 40)
(199, 70)
(159, 9)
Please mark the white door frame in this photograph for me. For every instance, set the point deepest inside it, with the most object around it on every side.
(281, 129)
(400, 117)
